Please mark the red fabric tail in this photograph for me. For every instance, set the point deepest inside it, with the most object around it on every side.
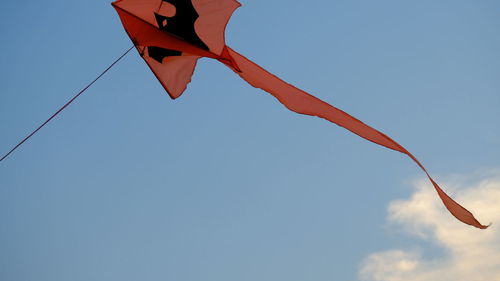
(301, 102)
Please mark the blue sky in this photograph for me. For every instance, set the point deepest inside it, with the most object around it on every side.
(225, 183)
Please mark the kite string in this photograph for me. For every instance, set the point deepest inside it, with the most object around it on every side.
(67, 104)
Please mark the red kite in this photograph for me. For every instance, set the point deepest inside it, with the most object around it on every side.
(171, 35)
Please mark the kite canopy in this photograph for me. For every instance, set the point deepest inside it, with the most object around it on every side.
(171, 35)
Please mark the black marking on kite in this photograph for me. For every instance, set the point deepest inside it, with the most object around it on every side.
(158, 54)
(182, 23)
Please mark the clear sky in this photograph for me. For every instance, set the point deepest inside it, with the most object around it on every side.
(224, 183)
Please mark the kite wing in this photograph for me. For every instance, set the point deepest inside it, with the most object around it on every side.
(172, 68)
(172, 34)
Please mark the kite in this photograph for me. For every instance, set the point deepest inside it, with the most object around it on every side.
(171, 35)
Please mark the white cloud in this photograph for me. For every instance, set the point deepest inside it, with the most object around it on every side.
(469, 254)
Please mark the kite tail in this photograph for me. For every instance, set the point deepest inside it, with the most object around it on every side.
(301, 102)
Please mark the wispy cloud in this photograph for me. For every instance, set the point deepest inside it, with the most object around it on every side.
(469, 254)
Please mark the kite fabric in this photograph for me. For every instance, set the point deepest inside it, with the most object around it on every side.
(171, 35)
